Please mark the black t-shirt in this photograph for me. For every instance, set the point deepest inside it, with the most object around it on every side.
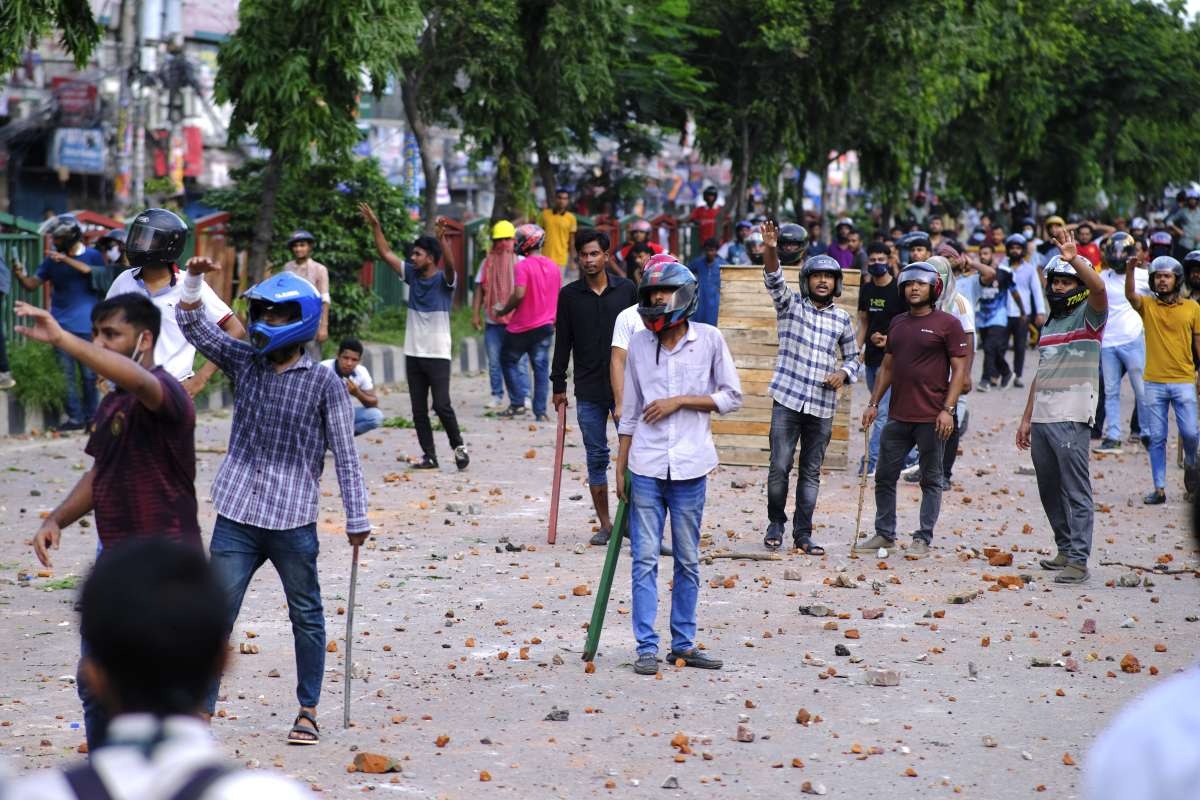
(882, 304)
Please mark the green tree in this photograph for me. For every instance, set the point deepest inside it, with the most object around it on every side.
(294, 72)
(322, 198)
(23, 23)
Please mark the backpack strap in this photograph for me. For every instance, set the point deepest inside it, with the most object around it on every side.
(86, 783)
(200, 781)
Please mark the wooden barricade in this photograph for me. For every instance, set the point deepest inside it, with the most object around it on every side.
(747, 320)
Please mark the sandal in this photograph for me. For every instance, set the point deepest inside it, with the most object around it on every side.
(810, 548)
(300, 734)
(774, 538)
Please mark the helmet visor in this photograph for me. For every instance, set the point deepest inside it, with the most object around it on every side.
(143, 238)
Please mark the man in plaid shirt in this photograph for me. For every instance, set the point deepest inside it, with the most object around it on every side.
(808, 374)
(287, 412)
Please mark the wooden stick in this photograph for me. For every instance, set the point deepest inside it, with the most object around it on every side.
(559, 444)
(1152, 570)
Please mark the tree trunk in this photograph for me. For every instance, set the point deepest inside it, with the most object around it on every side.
(742, 174)
(429, 166)
(546, 171)
(504, 205)
(260, 245)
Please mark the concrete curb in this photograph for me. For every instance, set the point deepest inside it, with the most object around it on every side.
(384, 362)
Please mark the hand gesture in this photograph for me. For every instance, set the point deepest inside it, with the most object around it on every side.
(770, 233)
(368, 214)
(1066, 245)
(201, 265)
(439, 228)
(45, 539)
(44, 328)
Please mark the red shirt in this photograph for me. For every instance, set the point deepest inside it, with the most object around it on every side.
(145, 466)
(654, 247)
(921, 349)
(707, 217)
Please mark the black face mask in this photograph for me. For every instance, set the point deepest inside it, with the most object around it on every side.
(756, 258)
(1063, 303)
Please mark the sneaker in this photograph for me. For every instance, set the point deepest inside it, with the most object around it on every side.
(912, 474)
(1111, 446)
(646, 664)
(874, 543)
(6, 381)
(1155, 498)
(461, 459)
(496, 404)
(600, 538)
(70, 425)
(695, 658)
(1056, 563)
(918, 548)
(984, 387)
(1072, 573)
(512, 412)
(1134, 438)
(426, 462)
(1018, 383)
(1004, 381)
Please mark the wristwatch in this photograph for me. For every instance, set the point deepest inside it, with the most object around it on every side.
(949, 409)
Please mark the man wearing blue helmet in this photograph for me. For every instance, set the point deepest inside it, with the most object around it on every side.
(287, 412)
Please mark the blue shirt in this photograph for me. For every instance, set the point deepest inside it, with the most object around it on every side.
(72, 298)
(991, 301)
(5, 278)
(708, 275)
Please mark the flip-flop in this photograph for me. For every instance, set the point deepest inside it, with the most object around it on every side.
(314, 732)
(809, 547)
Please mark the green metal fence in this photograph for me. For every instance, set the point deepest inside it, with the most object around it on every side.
(22, 243)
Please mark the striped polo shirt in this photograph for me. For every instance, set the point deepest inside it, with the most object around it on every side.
(1068, 375)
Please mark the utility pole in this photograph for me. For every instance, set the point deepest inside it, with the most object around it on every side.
(126, 60)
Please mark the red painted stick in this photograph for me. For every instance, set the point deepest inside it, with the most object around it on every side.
(560, 440)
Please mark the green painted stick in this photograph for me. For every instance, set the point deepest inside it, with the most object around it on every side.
(606, 576)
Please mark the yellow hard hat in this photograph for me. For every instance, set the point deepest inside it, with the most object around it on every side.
(503, 230)
(1055, 219)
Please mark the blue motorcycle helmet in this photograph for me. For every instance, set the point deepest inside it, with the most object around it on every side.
(302, 302)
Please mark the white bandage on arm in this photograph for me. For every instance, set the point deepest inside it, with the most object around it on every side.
(192, 285)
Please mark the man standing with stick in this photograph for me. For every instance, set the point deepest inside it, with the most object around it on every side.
(925, 364)
(288, 411)
(818, 355)
(677, 373)
(1057, 423)
(587, 312)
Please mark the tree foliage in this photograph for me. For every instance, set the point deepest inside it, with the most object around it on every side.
(322, 198)
(24, 22)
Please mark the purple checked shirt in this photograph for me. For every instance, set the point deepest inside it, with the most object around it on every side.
(282, 424)
(679, 447)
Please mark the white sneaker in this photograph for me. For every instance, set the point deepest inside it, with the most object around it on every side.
(496, 404)
(912, 472)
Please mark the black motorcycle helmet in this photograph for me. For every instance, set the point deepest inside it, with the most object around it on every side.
(793, 240)
(156, 238)
(65, 231)
(1191, 269)
(1118, 249)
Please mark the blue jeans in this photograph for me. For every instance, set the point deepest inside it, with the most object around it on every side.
(493, 339)
(593, 426)
(880, 420)
(366, 419)
(535, 344)
(651, 499)
(237, 551)
(95, 715)
(1160, 397)
(76, 413)
(1116, 362)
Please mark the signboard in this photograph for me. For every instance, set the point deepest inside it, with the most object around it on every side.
(76, 101)
(186, 154)
(79, 150)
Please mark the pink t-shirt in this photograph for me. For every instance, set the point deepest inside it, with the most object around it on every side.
(542, 279)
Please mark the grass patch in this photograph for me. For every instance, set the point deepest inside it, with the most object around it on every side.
(69, 582)
(404, 423)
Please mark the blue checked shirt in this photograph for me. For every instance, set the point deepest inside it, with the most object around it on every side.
(282, 424)
(808, 340)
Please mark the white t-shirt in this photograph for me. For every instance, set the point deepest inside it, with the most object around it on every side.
(628, 323)
(963, 311)
(1124, 324)
(1152, 749)
(172, 351)
(360, 376)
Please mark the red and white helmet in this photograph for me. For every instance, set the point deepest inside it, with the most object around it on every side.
(640, 225)
(529, 238)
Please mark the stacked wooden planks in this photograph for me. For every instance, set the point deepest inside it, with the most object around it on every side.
(747, 320)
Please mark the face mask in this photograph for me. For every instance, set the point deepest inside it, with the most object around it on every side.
(1193, 279)
(114, 254)
(1028, 233)
(877, 270)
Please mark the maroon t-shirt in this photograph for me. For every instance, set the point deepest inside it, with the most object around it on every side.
(145, 482)
(921, 349)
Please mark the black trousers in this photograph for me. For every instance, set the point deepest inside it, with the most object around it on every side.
(995, 342)
(1018, 329)
(425, 375)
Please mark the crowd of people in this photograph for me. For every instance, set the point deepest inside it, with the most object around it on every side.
(636, 334)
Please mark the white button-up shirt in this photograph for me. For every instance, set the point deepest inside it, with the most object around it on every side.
(172, 351)
(679, 447)
(1029, 286)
